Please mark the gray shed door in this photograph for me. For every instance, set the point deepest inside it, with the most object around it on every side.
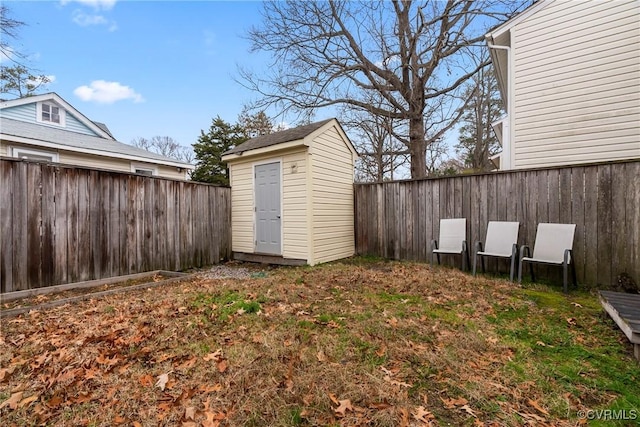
(267, 199)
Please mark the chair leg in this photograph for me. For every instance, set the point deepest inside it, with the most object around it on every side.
(565, 273)
(513, 265)
(533, 275)
(520, 271)
(475, 262)
(573, 273)
(482, 264)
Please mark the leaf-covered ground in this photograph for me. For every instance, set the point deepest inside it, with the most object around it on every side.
(361, 342)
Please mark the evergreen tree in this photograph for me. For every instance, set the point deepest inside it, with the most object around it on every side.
(222, 136)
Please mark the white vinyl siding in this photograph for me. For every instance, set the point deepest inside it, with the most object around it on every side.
(242, 214)
(295, 234)
(97, 162)
(577, 74)
(333, 229)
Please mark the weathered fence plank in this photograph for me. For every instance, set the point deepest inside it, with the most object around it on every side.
(603, 200)
(63, 224)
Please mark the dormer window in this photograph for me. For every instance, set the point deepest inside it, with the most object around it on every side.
(50, 113)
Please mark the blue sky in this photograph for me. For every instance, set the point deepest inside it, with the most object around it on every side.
(144, 68)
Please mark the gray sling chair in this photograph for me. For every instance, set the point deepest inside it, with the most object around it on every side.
(554, 245)
(501, 242)
(452, 240)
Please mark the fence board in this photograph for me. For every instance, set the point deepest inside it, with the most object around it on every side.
(63, 224)
(603, 200)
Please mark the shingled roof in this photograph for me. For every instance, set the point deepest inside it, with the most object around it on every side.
(288, 135)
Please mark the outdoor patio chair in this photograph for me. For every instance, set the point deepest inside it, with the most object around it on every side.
(501, 242)
(554, 245)
(452, 240)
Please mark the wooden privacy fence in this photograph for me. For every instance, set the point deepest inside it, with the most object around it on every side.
(398, 219)
(62, 224)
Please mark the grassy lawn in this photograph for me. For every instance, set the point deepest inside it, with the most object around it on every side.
(360, 342)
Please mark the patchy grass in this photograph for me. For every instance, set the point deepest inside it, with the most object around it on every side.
(360, 342)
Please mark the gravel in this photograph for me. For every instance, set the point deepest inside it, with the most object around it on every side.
(226, 272)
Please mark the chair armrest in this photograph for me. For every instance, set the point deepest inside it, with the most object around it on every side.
(478, 246)
(524, 249)
(568, 256)
(464, 246)
(514, 250)
(434, 244)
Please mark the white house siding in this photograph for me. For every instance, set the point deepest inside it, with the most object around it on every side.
(27, 113)
(577, 79)
(98, 162)
(295, 243)
(333, 232)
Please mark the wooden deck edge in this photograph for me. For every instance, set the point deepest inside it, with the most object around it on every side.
(268, 259)
(51, 304)
(622, 324)
(11, 296)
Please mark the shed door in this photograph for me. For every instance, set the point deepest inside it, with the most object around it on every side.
(267, 200)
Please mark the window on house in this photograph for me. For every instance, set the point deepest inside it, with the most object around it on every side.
(38, 155)
(142, 169)
(50, 113)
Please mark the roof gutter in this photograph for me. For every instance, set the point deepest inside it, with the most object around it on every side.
(506, 160)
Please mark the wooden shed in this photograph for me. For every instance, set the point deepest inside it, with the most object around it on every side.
(292, 195)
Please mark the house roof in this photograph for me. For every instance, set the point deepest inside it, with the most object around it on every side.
(98, 128)
(287, 135)
(46, 136)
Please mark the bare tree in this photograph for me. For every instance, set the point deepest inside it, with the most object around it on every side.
(415, 56)
(477, 141)
(165, 146)
(8, 31)
(255, 124)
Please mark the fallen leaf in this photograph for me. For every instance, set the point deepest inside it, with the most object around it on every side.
(468, 410)
(28, 400)
(575, 304)
(571, 321)
(13, 401)
(136, 424)
(216, 355)
(119, 420)
(452, 403)
(222, 366)
(541, 344)
(146, 380)
(535, 404)
(381, 351)
(345, 405)
(421, 414)
(162, 381)
(190, 413)
(321, 356)
(209, 388)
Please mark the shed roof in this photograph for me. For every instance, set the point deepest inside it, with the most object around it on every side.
(287, 135)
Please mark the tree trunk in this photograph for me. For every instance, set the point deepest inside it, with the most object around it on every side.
(417, 148)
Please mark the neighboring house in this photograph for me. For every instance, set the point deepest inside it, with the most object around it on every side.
(569, 75)
(46, 127)
(292, 195)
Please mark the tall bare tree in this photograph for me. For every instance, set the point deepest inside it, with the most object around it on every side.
(414, 55)
(255, 124)
(9, 27)
(477, 141)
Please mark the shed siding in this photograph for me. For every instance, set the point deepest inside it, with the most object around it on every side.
(294, 207)
(295, 232)
(576, 86)
(27, 113)
(333, 232)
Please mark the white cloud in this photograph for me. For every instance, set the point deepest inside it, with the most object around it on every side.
(104, 92)
(96, 4)
(86, 20)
